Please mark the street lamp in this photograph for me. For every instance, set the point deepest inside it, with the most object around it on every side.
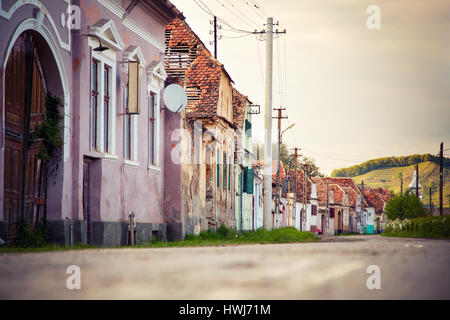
(277, 207)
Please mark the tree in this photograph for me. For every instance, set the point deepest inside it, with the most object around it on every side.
(403, 206)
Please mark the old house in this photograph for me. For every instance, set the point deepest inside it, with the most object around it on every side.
(357, 205)
(245, 188)
(105, 61)
(306, 206)
(377, 199)
(207, 141)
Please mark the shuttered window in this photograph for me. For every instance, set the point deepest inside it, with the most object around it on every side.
(248, 180)
(218, 169)
(224, 171)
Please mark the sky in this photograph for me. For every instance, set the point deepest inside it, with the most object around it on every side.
(354, 94)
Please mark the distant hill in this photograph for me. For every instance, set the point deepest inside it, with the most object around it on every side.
(388, 162)
(428, 175)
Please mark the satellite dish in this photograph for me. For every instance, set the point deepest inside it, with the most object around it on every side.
(175, 98)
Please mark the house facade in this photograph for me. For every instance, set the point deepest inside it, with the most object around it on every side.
(208, 139)
(104, 60)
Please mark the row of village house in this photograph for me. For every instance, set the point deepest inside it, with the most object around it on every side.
(126, 160)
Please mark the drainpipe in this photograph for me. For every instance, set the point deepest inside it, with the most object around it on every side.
(70, 231)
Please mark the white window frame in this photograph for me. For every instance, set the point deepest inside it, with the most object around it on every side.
(132, 161)
(156, 93)
(156, 76)
(102, 61)
(132, 53)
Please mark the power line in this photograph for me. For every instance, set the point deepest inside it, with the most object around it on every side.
(257, 6)
(237, 9)
(223, 5)
(254, 10)
(206, 9)
(334, 158)
(237, 37)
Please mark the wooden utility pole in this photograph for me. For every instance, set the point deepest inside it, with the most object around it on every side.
(431, 210)
(215, 37)
(441, 179)
(401, 186)
(277, 184)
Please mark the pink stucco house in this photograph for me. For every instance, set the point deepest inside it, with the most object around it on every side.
(111, 162)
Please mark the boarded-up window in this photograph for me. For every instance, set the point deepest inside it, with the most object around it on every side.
(133, 87)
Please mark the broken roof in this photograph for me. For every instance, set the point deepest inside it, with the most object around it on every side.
(189, 59)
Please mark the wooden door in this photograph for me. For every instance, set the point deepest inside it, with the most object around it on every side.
(87, 191)
(24, 183)
(340, 222)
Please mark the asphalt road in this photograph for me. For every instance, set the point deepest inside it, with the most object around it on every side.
(335, 268)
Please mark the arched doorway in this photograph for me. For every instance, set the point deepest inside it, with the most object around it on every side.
(24, 172)
(340, 223)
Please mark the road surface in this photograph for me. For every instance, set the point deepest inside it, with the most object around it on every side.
(335, 268)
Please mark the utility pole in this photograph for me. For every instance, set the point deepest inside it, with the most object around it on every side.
(431, 210)
(277, 184)
(268, 127)
(268, 124)
(401, 186)
(417, 180)
(215, 37)
(441, 179)
(327, 220)
(295, 179)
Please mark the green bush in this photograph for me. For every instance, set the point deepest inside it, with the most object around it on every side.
(405, 206)
(27, 237)
(427, 227)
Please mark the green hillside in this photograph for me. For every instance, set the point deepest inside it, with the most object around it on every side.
(387, 162)
(428, 174)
